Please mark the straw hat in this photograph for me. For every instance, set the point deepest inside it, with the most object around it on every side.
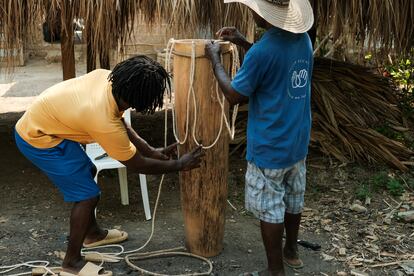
(295, 16)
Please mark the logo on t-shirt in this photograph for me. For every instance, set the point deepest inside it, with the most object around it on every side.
(299, 78)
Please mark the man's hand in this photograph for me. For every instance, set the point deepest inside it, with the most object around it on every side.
(191, 160)
(213, 52)
(234, 36)
(231, 34)
(165, 153)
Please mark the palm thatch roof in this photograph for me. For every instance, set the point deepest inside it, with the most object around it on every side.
(385, 24)
(109, 22)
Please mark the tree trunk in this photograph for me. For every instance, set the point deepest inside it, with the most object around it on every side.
(66, 45)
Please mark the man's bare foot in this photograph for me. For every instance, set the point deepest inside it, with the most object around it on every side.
(96, 236)
(73, 266)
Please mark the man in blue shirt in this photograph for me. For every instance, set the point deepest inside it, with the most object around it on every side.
(276, 80)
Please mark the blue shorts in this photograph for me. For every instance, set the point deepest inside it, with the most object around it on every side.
(66, 165)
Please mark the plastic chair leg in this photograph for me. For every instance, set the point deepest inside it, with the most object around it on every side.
(144, 192)
(123, 185)
(96, 177)
(96, 181)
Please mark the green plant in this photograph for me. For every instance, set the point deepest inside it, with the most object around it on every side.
(379, 181)
(401, 72)
(363, 191)
(395, 187)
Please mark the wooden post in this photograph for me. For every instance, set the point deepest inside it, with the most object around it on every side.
(203, 190)
(90, 53)
(66, 43)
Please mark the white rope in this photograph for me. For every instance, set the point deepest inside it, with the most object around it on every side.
(170, 48)
(131, 254)
(31, 264)
(230, 125)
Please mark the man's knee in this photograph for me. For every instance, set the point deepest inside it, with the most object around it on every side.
(90, 202)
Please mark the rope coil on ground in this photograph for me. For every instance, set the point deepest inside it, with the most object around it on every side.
(32, 264)
(156, 254)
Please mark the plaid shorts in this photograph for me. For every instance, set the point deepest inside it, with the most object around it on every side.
(272, 192)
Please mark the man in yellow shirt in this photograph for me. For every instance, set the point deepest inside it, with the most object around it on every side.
(89, 109)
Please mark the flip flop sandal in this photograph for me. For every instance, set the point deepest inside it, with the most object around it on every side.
(295, 266)
(113, 236)
(99, 257)
(42, 271)
(89, 269)
(93, 257)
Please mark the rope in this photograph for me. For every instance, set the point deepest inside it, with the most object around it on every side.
(131, 254)
(230, 125)
(30, 264)
(150, 255)
(161, 253)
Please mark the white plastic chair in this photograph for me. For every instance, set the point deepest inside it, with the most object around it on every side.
(94, 150)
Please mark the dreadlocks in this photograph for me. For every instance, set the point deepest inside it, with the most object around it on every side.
(140, 82)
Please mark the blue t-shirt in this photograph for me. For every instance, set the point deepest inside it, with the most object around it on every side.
(276, 76)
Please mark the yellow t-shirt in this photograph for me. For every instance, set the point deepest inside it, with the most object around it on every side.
(82, 110)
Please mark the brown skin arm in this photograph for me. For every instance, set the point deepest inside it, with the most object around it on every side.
(146, 165)
(213, 53)
(232, 96)
(147, 150)
(141, 164)
(142, 146)
(148, 160)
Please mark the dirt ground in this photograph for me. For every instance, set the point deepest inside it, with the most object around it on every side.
(34, 218)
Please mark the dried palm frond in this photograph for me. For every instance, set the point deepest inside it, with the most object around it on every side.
(349, 104)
